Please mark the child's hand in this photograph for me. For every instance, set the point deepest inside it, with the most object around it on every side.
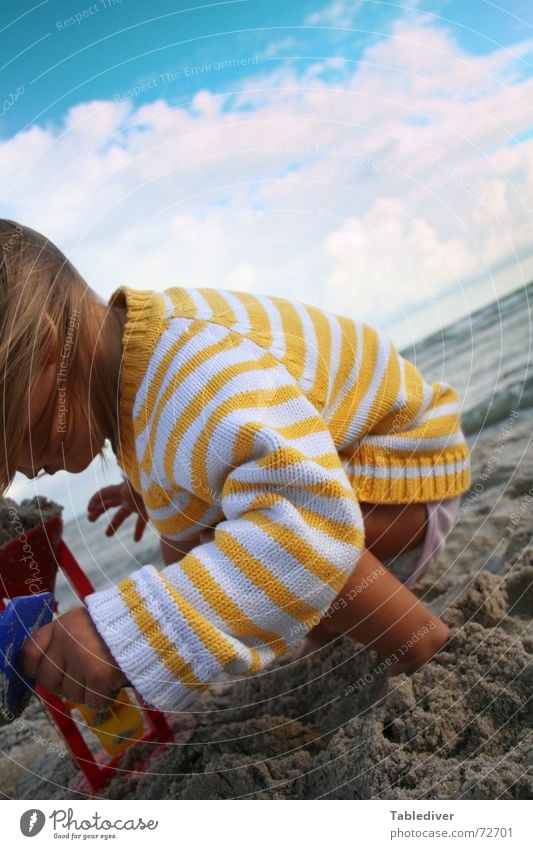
(69, 657)
(128, 501)
(432, 643)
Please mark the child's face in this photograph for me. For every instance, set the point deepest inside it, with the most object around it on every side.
(61, 440)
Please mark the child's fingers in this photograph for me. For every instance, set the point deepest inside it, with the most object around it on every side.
(34, 650)
(102, 495)
(50, 674)
(73, 688)
(108, 496)
(139, 528)
(95, 513)
(117, 520)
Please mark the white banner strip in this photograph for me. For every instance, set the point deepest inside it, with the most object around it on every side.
(181, 824)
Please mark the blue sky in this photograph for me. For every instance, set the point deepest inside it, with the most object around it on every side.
(371, 157)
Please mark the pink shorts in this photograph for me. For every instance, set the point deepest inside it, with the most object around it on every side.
(411, 565)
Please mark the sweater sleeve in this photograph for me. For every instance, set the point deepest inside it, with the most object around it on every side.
(291, 535)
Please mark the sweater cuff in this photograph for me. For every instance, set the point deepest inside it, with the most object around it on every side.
(117, 624)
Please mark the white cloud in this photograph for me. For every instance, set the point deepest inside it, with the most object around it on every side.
(403, 259)
(275, 48)
(339, 13)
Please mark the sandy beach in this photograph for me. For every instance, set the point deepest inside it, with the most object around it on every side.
(459, 728)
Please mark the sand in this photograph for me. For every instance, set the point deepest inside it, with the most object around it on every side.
(16, 518)
(459, 728)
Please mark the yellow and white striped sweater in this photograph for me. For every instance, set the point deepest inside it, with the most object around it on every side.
(269, 419)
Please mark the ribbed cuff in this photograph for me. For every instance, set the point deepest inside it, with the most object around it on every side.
(117, 625)
(377, 479)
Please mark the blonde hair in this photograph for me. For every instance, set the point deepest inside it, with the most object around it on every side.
(38, 284)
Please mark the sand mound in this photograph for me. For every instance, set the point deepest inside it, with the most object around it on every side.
(16, 518)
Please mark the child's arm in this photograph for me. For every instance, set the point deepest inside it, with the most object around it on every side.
(377, 610)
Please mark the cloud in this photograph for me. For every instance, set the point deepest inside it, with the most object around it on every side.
(403, 259)
(339, 13)
(275, 47)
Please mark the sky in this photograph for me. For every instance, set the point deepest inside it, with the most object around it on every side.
(372, 158)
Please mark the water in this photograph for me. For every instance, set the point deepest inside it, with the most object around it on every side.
(106, 560)
(487, 357)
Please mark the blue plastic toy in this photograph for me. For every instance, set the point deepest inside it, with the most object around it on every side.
(22, 616)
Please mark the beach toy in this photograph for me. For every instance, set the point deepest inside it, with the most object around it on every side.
(29, 563)
(21, 618)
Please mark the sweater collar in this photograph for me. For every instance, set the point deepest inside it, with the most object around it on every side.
(145, 312)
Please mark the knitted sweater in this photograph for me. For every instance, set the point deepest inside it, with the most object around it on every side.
(269, 420)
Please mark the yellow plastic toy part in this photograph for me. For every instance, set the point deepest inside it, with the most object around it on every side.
(117, 727)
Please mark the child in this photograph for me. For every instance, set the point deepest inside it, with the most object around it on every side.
(286, 456)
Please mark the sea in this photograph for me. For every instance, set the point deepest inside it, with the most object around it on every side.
(485, 356)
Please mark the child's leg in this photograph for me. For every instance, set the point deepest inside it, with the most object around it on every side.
(410, 566)
(172, 551)
(393, 528)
